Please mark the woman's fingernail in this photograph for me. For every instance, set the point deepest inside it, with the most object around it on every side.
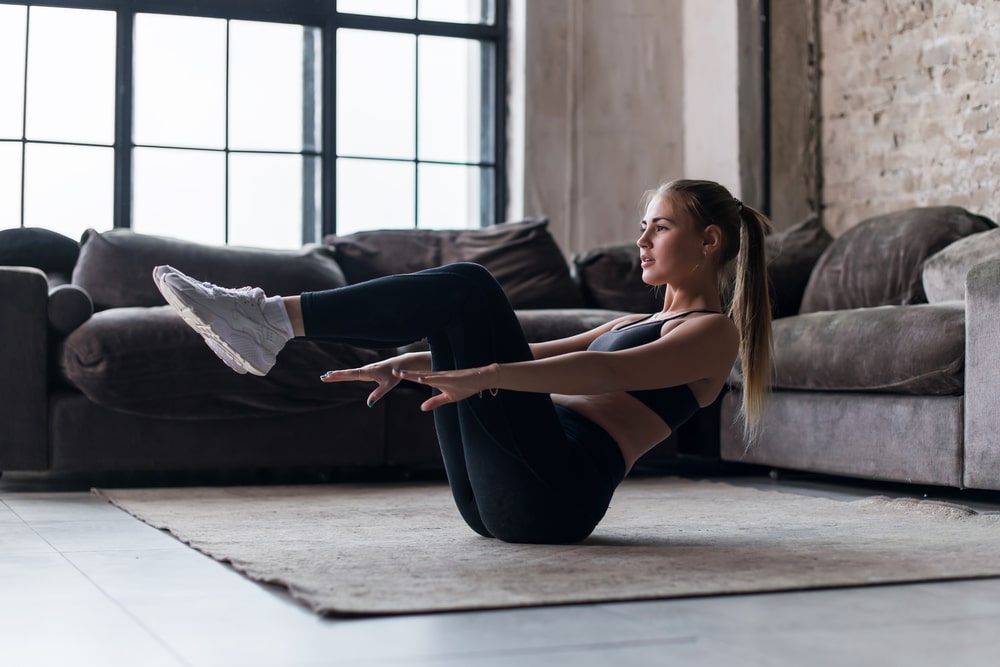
(325, 375)
(371, 403)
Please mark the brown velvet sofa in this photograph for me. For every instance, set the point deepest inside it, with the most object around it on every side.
(100, 375)
(891, 368)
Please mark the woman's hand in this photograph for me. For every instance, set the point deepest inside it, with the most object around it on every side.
(454, 385)
(380, 372)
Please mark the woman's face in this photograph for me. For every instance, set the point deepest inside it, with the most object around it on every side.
(670, 246)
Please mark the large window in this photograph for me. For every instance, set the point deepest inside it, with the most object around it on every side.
(252, 123)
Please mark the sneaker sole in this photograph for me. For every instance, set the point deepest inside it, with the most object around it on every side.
(202, 327)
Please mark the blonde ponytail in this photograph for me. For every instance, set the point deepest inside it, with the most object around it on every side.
(751, 312)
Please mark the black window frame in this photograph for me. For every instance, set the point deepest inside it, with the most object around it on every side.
(321, 14)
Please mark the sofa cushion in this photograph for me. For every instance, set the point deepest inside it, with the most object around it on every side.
(879, 261)
(522, 255)
(944, 272)
(544, 324)
(115, 267)
(147, 361)
(43, 249)
(611, 277)
(917, 349)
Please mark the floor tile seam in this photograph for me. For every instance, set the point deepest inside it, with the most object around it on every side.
(115, 550)
(156, 638)
(13, 511)
(89, 521)
(551, 649)
(935, 627)
(838, 623)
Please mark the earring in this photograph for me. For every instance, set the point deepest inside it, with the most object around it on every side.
(704, 255)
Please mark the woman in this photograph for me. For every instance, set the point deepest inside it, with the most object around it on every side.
(535, 437)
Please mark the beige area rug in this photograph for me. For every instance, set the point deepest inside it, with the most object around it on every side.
(394, 549)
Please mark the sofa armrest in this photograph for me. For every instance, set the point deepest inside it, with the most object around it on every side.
(24, 362)
(982, 376)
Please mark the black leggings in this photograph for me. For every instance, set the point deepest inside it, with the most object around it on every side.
(521, 469)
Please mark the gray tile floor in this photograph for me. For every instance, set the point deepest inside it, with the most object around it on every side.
(82, 583)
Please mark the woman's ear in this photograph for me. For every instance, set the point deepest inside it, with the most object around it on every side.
(712, 239)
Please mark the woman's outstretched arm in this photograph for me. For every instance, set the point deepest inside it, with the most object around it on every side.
(698, 349)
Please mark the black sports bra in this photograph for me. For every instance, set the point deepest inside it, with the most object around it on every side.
(674, 405)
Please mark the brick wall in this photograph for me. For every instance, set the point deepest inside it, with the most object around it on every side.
(910, 106)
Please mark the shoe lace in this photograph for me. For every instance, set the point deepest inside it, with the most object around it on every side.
(246, 294)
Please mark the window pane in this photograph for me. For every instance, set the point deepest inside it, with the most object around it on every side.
(10, 184)
(12, 25)
(180, 193)
(375, 94)
(373, 194)
(457, 11)
(406, 9)
(450, 101)
(68, 188)
(265, 200)
(449, 196)
(266, 75)
(71, 75)
(180, 81)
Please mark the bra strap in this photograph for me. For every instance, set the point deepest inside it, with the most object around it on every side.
(690, 312)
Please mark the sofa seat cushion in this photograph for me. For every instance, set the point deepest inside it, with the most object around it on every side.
(878, 262)
(116, 267)
(147, 361)
(543, 324)
(553, 323)
(916, 350)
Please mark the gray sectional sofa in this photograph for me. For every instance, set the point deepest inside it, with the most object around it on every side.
(871, 380)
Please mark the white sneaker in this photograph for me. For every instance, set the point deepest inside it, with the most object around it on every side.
(221, 353)
(232, 321)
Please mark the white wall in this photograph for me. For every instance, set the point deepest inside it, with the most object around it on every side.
(610, 98)
(711, 103)
(602, 115)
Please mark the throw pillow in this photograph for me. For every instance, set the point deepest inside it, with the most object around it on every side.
(611, 277)
(43, 249)
(791, 256)
(385, 252)
(116, 267)
(522, 255)
(879, 261)
(944, 272)
(525, 260)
